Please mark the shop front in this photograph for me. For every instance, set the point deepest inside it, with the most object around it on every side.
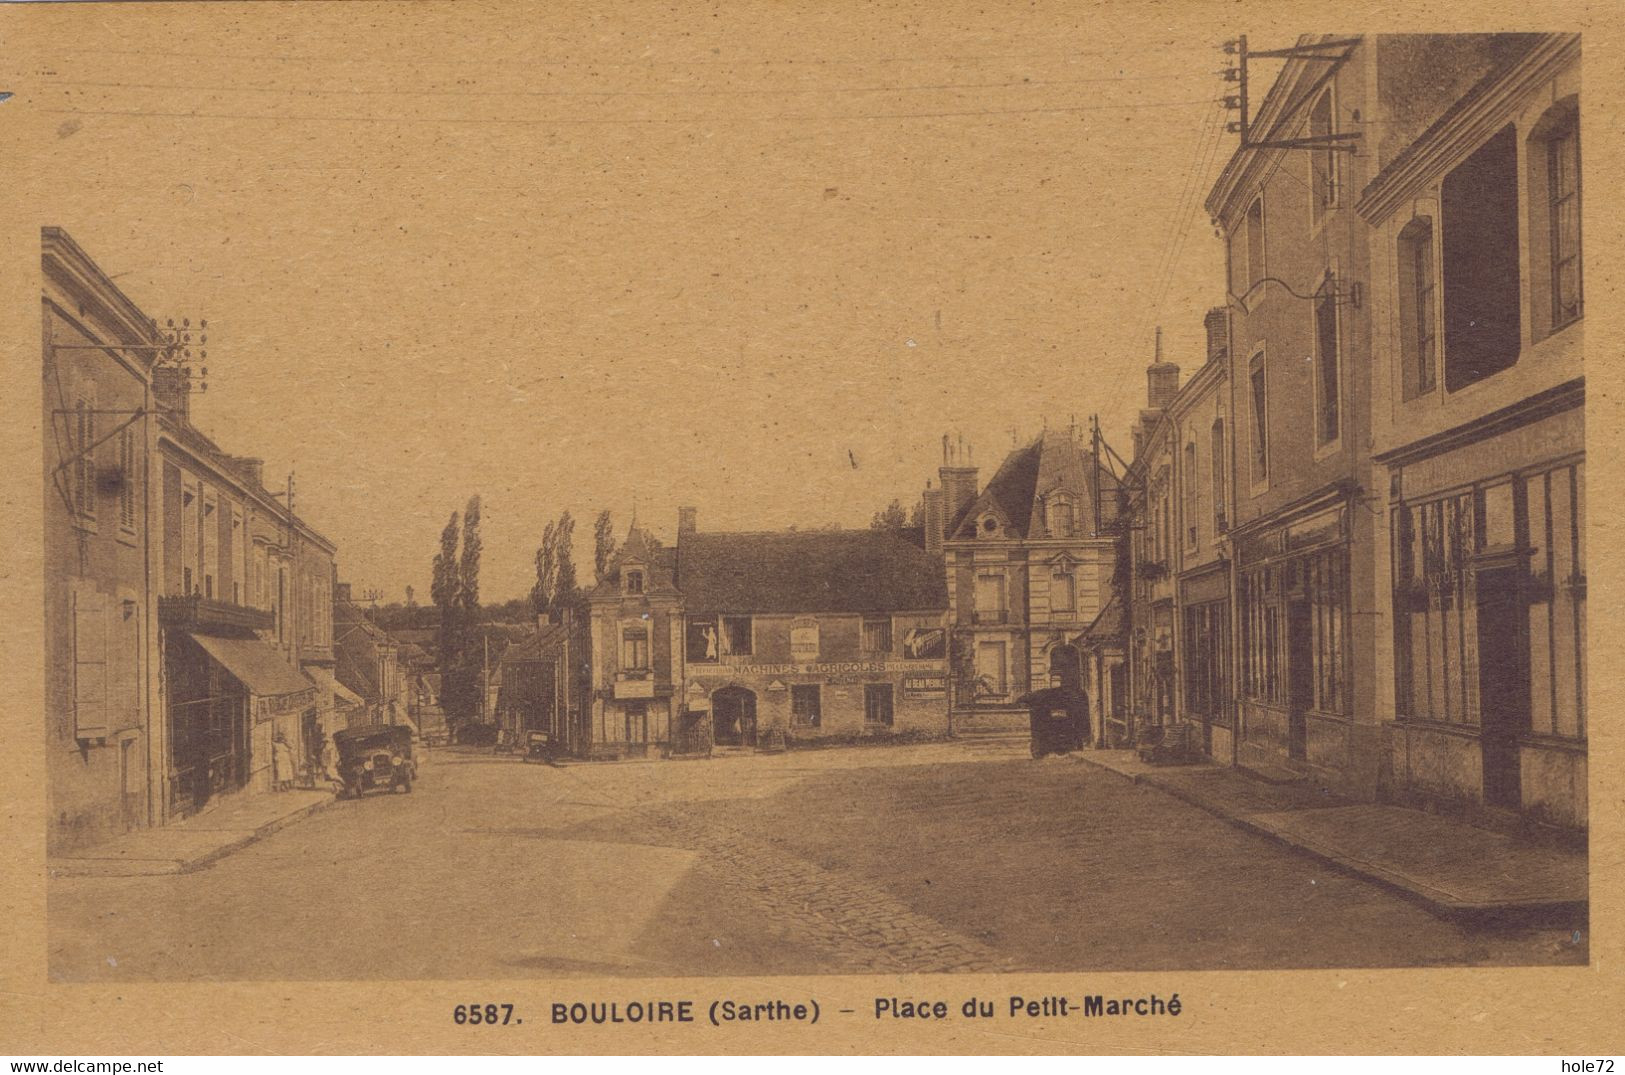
(226, 696)
(1204, 602)
(1292, 599)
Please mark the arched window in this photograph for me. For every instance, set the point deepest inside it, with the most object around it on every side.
(1418, 309)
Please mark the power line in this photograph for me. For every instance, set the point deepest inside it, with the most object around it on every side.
(540, 121)
(1191, 169)
(743, 92)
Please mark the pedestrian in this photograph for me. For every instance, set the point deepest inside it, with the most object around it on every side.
(281, 763)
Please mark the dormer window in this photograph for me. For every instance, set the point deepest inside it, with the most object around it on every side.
(1062, 518)
(634, 582)
(989, 526)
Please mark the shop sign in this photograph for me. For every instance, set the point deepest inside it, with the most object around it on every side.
(823, 668)
(925, 643)
(267, 707)
(929, 685)
(635, 688)
(1323, 529)
(804, 640)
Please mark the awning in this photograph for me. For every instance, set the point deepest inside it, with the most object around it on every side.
(255, 664)
(325, 680)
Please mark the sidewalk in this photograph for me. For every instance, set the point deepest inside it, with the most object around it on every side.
(193, 843)
(1454, 869)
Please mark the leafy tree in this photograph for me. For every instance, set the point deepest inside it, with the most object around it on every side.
(469, 571)
(603, 545)
(547, 571)
(446, 588)
(893, 518)
(564, 587)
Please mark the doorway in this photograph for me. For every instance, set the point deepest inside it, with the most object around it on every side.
(733, 717)
(1300, 671)
(1066, 667)
(1503, 684)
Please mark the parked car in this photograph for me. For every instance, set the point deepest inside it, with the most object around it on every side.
(374, 757)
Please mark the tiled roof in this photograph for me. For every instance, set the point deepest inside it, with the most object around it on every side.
(1054, 461)
(808, 571)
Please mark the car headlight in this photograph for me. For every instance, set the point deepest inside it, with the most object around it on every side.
(395, 760)
(367, 765)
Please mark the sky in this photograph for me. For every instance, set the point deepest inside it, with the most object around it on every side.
(753, 258)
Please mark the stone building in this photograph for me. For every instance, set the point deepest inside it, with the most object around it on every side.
(103, 764)
(636, 631)
(1028, 563)
(1478, 420)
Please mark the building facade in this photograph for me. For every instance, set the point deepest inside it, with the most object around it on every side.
(1304, 537)
(637, 642)
(102, 760)
(1028, 563)
(1478, 420)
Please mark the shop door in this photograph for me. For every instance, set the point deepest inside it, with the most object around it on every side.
(1300, 672)
(1503, 684)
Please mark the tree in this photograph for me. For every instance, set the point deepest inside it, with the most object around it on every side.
(603, 545)
(547, 571)
(445, 587)
(564, 586)
(893, 518)
(469, 570)
(916, 514)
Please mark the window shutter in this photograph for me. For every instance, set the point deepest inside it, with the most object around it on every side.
(90, 665)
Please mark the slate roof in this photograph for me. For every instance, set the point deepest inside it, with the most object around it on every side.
(808, 571)
(538, 646)
(659, 565)
(1053, 461)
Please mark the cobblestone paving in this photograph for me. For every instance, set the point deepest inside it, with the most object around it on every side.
(862, 928)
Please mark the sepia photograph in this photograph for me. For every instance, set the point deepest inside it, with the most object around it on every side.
(735, 493)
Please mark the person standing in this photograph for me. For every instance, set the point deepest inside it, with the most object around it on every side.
(281, 763)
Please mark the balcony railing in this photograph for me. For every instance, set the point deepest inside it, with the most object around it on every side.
(198, 613)
(998, 615)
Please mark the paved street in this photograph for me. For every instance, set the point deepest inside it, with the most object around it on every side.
(926, 858)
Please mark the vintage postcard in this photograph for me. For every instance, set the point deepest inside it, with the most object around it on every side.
(809, 528)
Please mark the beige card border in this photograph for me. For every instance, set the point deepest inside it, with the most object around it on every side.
(1556, 1011)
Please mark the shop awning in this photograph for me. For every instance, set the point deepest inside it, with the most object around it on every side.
(326, 680)
(255, 664)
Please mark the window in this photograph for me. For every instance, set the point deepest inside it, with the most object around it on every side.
(736, 635)
(90, 716)
(634, 582)
(635, 649)
(1418, 309)
(1327, 392)
(877, 635)
(1255, 242)
(84, 463)
(126, 488)
(990, 593)
(210, 553)
(1260, 415)
(877, 704)
(1217, 466)
(1063, 595)
(704, 639)
(1261, 641)
(1061, 519)
(189, 539)
(1188, 485)
(806, 705)
(1479, 203)
(991, 680)
(1322, 159)
(1558, 136)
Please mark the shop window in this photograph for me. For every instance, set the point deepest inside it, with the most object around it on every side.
(635, 649)
(877, 635)
(1479, 203)
(1323, 175)
(1261, 640)
(1327, 382)
(877, 704)
(1418, 309)
(1435, 610)
(704, 639)
(806, 704)
(736, 636)
(1217, 465)
(1258, 394)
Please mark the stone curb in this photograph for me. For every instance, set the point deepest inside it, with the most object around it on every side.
(158, 867)
(1436, 902)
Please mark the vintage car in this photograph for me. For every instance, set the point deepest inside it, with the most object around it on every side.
(1059, 718)
(374, 757)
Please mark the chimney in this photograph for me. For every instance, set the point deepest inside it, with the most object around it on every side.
(1162, 380)
(172, 387)
(1217, 323)
(688, 521)
(958, 480)
(250, 468)
(935, 519)
(341, 592)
